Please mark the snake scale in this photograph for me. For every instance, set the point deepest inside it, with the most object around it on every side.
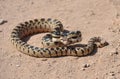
(49, 25)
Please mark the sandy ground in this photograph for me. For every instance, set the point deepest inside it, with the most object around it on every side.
(92, 17)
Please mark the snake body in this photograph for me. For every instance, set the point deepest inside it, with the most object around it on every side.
(49, 25)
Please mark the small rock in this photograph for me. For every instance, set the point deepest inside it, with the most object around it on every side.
(83, 69)
(32, 2)
(118, 72)
(92, 13)
(117, 15)
(106, 74)
(114, 52)
(2, 21)
(45, 59)
(17, 65)
(86, 65)
(112, 73)
(11, 64)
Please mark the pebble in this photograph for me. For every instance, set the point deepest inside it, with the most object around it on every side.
(2, 21)
(44, 59)
(112, 73)
(92, 13)
(83, 69)
(86, 65)
(114, 52)
(32, 2)
(17, 65)
(117, 15)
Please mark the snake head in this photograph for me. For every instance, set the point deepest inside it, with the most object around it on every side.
(71, 37)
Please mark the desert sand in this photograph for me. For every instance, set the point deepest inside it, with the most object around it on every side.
(91, 17)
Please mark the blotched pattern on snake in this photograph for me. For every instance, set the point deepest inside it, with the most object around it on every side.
(56, 43)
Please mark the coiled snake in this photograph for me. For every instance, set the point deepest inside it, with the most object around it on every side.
(58, 42)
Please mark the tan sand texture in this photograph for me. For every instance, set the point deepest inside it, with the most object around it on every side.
(91, 17)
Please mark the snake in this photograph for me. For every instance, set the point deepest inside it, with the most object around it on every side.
(58, 42)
